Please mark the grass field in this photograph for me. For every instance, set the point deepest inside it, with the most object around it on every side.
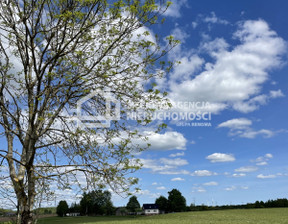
(252, 216)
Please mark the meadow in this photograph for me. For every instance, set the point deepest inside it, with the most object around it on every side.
(237, 216)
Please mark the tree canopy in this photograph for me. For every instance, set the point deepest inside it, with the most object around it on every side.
(96, 202)
(176, 202)
(62, 208)
(53, 53)
(133, 204)
(162, 203)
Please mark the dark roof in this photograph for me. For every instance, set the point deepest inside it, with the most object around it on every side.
(150, 206)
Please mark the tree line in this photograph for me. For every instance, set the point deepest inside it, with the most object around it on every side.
(278, 203)
(177, 203)
(98, 202)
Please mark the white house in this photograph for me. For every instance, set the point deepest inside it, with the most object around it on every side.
(150, 209)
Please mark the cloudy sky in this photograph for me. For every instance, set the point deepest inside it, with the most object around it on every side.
(233, 55)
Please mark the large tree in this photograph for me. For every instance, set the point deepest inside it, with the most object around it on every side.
(62, 208)
(96, 202)
(133, 204)
(176, 201)
(162, 203)
(52, 54)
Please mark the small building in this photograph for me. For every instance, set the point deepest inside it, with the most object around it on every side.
(150, 209)
(73, 214)
(121, 211)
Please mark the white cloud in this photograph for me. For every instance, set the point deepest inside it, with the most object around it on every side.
(237, 123)
(232, 188)
(261, 176)
(165, 166)
(203, 173)
(146, 194)
(187, 67)
(264, 163)
(175, 172)
(177, 154)
(246, 169)
(163, 141)
(241, 127)
(252, 134)
(263, 160)
(276, 93)
(239, 175)
(194, 25)
(174, 9)
(220, 157)
(177, 179)
(212, 183)
(174, 162)
(236, 77)
(180, 34)
(214, 19)
(199, 189)
(215, 47)
(161, 188)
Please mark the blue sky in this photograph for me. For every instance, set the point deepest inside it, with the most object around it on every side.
(233, 55)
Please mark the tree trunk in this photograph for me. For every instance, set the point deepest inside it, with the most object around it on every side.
(26, 217)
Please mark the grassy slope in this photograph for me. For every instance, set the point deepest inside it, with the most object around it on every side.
(253, 216)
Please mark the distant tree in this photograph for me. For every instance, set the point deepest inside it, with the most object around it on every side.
(162, 203)
(96, 202)
(109, 209)
(62, 208)
(75, 208)
(176, 202)
(133, 204)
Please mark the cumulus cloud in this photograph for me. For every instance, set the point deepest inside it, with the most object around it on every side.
(199, 189)
(246, 169)
(163, 141)
(203, 173)
(235, 77)
(263, 160)
(262, 176)
(237, 123)
(177, 154)
(241, 127)
(177, 179)
(232, 188)
(174, 9)
(239, 175)
(214, 19)
(276, 93)
(212, 183)
(174, 162)
(165, 165)
(220, 157)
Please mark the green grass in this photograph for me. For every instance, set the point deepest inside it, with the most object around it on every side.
(252, 216)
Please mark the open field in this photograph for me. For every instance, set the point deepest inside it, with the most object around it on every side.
(252, 216)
